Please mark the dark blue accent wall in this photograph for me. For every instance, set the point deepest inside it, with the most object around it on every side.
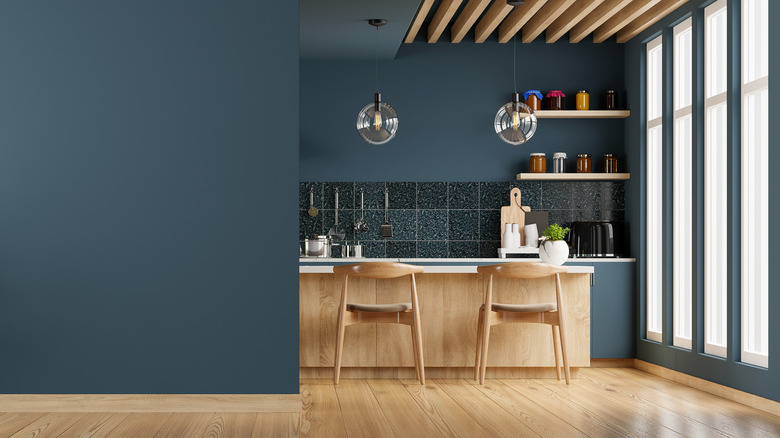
(141, 144)
(729, 371)
(447, 96)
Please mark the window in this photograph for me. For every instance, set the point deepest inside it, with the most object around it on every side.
(755, 182)
(654, 100)
(715, 179)
(683, 186)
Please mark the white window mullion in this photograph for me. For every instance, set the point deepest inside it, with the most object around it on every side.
(654, 142)
(715, 179)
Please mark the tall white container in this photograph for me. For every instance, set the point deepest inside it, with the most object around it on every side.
(508, 239)
(516, 238)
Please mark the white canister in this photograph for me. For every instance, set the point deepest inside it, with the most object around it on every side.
(516, 238)
(531, 235)
(507, 240)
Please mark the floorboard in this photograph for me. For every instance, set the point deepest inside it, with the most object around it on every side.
(602, 402)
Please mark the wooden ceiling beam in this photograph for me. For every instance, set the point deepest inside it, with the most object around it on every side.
(491, 20)
(569, 18)
(518, 18)
(596, 19)
(649, 18)
(468, 16)
(622, 19)
(442, 18)
(545, 17)
(418, 21)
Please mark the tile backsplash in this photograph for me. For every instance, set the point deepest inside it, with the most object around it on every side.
(450, 219)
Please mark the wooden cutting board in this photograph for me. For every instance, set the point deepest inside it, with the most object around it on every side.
(514, 213)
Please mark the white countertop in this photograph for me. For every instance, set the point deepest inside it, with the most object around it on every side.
(322, 265)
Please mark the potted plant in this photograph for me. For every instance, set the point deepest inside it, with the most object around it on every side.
(554, 250)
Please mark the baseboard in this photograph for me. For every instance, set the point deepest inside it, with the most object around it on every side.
(745, 398)
(150, 403)
(612, 363)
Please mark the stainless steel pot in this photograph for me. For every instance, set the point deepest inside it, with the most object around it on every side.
(317, 246)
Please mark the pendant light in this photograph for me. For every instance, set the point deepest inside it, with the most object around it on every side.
(377, 122)
(515, 122)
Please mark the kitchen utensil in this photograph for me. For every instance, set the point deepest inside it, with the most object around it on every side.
(356, 250)
(514, 213)
(317, 246)
(312, 209)
(386, 230)
(361, 226)
(336, 233)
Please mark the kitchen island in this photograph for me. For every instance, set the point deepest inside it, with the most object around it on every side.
(450, 293)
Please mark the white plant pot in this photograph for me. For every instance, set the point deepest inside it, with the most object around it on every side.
(554, 252)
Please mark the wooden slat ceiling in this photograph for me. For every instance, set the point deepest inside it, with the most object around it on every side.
(555, 18)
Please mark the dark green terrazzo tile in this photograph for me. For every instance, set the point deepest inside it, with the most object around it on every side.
(556, 195)
(618, 198)
(308, 225)
(561, 217)
(373, 195)
(463, 195)
(401, 249)
(375, 249)
(403, 195)
(463, 249)
(432, 195)
(588, 195)
(375, 218)
(493, 195)
(489, 248)
(404, 224)
(346, 195)
(432, 249)
(463, 225)
(345, 221)
(432, 224)
(489, 225)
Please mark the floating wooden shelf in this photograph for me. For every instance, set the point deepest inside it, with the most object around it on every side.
(573, 176)
(590, 114)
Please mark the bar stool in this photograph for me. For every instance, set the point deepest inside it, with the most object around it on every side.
(397, 313)
(500, 313)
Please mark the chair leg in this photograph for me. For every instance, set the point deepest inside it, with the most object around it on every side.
(414, 348)
(339, 348)
(485, 340)
(563, 350)
(478, 355)
(418, 336)
(556, 350)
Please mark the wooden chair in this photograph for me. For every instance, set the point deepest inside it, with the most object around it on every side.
(397, 313)
(500, 313)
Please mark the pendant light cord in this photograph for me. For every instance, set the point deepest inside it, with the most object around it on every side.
(376, 58)
(514, 61)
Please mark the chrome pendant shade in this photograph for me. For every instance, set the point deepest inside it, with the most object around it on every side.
(377, 122)
(515, 121)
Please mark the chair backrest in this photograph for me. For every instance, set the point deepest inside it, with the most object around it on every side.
(522, 270)
(378, 269)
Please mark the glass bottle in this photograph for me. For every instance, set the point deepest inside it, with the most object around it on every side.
(610, 163)
(537, 163)
(610, 100)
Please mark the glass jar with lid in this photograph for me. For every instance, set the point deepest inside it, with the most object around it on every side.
(538, 163)
(610, 163)
(533, 98)
(554, 100)
(583, 100)
(559, 162)
(584, 163)
(610, 100)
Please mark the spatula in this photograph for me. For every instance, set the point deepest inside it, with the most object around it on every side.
(386, 230)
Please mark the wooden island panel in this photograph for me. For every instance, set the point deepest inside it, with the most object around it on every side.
(449, 306)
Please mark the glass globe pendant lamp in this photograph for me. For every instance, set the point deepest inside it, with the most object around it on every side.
(515, 122)
(377, 122)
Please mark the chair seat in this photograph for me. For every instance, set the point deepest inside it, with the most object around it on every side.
(394, 307)
(526, 308)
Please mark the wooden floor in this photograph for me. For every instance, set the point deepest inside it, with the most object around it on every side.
(603, 402)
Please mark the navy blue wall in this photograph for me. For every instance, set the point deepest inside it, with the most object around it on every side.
(447, 96)
(729, 371)
(135, 247)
